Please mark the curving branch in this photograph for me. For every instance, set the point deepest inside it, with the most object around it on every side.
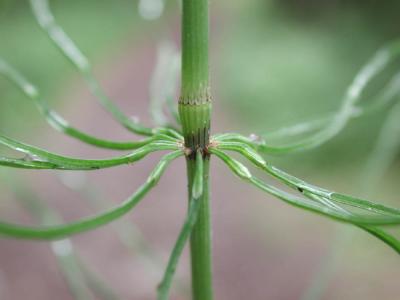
(194, 207)
(47, 22)
(321, 205)
(301, 186)
(375, 231)
(55, 120)
(391, 215)
(327, 127)
(42, 159)
(89, 223)
(349, 103)
(80, 279)
(21, 163)
(63, 250)
(384, 99)
(378, 162)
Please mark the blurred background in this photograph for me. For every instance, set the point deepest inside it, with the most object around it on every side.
(274, 63)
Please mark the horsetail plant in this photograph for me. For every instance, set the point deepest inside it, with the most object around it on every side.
(192, 139)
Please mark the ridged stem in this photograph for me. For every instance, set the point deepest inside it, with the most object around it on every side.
(195, 78)
(201, 241)
(194, 112)
(195, 99)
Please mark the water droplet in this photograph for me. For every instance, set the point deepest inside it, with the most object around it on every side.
(32, 157)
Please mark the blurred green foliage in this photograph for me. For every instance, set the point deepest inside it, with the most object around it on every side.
(291, 61)
(95, 25)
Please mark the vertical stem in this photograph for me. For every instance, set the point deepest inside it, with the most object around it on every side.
(200, 240)
(195, 99)
(195, 78)
(194, 112)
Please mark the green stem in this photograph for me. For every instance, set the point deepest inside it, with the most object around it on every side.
(200, 240)
(195, 99)
(194, 113)
(195, 79)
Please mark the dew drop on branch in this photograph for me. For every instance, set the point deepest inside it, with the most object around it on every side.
(32, 158)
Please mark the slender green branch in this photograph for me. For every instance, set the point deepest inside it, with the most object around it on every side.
(388, 239)
(329, 126)
(58, 122)
(42, 159)
(26, 164)
(378, 162)
(234, 137)
(350, 101)
(244, 173)
(128, 233)
(73, 269)
(302, 186)
(63, 249)
(328, 209)
(61, 231)
(383, 99)
(47, 22)
(194, 207)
